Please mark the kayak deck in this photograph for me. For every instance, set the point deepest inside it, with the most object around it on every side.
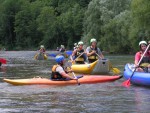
(45, 81)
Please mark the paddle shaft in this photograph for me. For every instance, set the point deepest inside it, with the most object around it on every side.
(140, 60)
(79, 56)
(74, 75)
(76, 78)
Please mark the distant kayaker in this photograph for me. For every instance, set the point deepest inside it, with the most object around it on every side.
(58, 72)
(57, 49)
(145, 62)
(62, 48)
(75, 46)
(93, 52)
(42, 49)
(79, 55)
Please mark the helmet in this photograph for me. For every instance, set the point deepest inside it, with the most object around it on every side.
(142, 42)
(75, 44)
(42, 46)
(62, 46)
(59, 59)
(80, 43)
(93, 40)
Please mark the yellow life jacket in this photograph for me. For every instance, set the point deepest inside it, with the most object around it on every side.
(55, 75)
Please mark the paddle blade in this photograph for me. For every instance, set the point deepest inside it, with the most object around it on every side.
(126, 83)
(116, 71)
(3, 61)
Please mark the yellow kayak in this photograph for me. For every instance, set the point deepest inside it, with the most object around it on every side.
(39, 56)
(97, 67)
(84, 68)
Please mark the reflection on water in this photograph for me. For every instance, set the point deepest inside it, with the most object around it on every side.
(108, 97)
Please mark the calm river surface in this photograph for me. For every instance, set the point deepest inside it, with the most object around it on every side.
(108, 97)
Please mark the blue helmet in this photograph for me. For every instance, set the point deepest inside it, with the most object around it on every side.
(59, 59)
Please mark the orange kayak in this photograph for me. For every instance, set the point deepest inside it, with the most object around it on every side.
(45, 81)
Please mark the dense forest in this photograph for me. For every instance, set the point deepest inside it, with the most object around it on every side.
(118, 25)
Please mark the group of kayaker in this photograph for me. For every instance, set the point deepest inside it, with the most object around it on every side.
(90, 54)
(79, 55)
(61, 49)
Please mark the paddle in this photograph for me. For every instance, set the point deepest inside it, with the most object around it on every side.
(3, 61)
(77, 57)
(127, 82)
(69, 64)
(115, 70)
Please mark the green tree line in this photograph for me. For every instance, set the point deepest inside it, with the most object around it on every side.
(118, 25)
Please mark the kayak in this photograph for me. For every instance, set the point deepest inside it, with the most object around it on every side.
(39, 56)
(45, 81)
(97, 67)
(138, 78)
(3, 61)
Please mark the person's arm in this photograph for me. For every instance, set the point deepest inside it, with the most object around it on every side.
(73, 54)
(63, 73)
(137, 58)
(88, 51)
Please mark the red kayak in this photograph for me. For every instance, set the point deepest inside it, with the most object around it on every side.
(3, 61)
(44, 81)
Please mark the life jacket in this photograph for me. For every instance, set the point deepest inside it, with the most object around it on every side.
(55, 75)
(146, 58)
(93, 57)
(79, 60)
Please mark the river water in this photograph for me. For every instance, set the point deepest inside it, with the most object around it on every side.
(108, 97)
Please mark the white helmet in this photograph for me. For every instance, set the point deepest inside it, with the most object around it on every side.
(142, 42)
(80, 43)
(75, 44)
(42, 46)
(93, 40)
(62, 46)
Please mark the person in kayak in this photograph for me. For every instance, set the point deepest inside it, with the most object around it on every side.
(93, 52)
(75, 46)
(42, 49)
(79, 55)
(58, 72)
(145, 62)
(62, 48)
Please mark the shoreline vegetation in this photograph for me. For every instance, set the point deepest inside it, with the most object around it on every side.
(116, 24)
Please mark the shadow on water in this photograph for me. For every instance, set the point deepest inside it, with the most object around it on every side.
(86, 98)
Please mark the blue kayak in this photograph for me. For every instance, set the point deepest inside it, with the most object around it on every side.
(138, 78)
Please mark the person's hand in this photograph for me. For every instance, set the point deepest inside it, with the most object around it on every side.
(75, 78)
(93, 52)
(148, 42)
(136, 65)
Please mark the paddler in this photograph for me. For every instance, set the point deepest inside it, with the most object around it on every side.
(58, 72)
(79, 55)
(42, 49)
(93, 52)
(145, 63)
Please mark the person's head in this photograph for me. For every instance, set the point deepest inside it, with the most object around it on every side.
(93, 42)
(80, 44)
(59, 59)
(42, 46)
(143, 45)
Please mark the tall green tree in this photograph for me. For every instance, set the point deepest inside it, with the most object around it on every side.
(140, 28)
